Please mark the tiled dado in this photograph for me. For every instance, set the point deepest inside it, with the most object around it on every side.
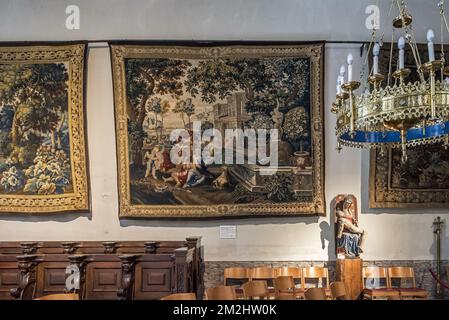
(214, 269)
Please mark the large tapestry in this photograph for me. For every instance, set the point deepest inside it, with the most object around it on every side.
(43, 164)
(421, 182)
(208, 131)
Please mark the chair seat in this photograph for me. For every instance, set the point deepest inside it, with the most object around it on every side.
(287, 297)
(301, 292)
(288, 291)
(413, 292)
(380, 292)
(288, 294)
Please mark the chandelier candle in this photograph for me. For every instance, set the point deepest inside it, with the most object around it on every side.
(376, 51)
(430, 37)
(342, 74)
(341, 95)
(350, 60)
(401, 46)
(338, 85)
(341, 79)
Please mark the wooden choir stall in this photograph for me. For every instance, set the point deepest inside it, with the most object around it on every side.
(101, 270)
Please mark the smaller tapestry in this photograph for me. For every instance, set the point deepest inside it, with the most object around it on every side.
(43, 166)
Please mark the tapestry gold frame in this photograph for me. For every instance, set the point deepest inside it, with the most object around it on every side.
(73, 54)
(314, 52)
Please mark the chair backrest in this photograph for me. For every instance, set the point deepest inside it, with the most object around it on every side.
(255, 289)
(293, 272)
(401, 273)
(60, 296)
(263, 273)
(180, 296)
(237, 273)
(338, 291)
(221, 293)
(378, 273)
(284, 287)
(315, 294)
(315, 273)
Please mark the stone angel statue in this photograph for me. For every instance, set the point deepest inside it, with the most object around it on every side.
(349, 236)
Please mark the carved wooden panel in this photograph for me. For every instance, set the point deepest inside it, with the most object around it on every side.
(9, 278)
(103, 280)
(153, 280)
(10, 248)
(51, 278)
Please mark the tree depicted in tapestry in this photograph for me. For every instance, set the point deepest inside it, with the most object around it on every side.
(35, 148)
(223, 96)
(42, 147)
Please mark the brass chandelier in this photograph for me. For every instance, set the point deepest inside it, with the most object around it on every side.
(401, 114)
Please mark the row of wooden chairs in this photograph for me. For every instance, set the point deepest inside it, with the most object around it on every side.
(388, 283)
(392, 278)
(300, 275)
(253, 289)
(285, 289)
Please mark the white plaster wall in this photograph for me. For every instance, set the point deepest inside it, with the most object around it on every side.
(204, 19)
(393, 234)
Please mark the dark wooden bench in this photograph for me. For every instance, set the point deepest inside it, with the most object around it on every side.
(30, 270)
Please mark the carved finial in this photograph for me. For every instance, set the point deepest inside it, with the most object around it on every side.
(110, 247)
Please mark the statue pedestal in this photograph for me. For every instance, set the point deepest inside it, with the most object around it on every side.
(349, 271)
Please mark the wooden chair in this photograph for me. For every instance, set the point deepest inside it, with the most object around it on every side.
(318, 274)
(237, 277)
(284, 288)
(264, 273)
(60, 296)
(293, 272)
(221, 293)
(404, 273)
(315, 294)
(255, 289)
(239, 274)
(381, 291)
(180, 296)
(296, 274)
(338, 291)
